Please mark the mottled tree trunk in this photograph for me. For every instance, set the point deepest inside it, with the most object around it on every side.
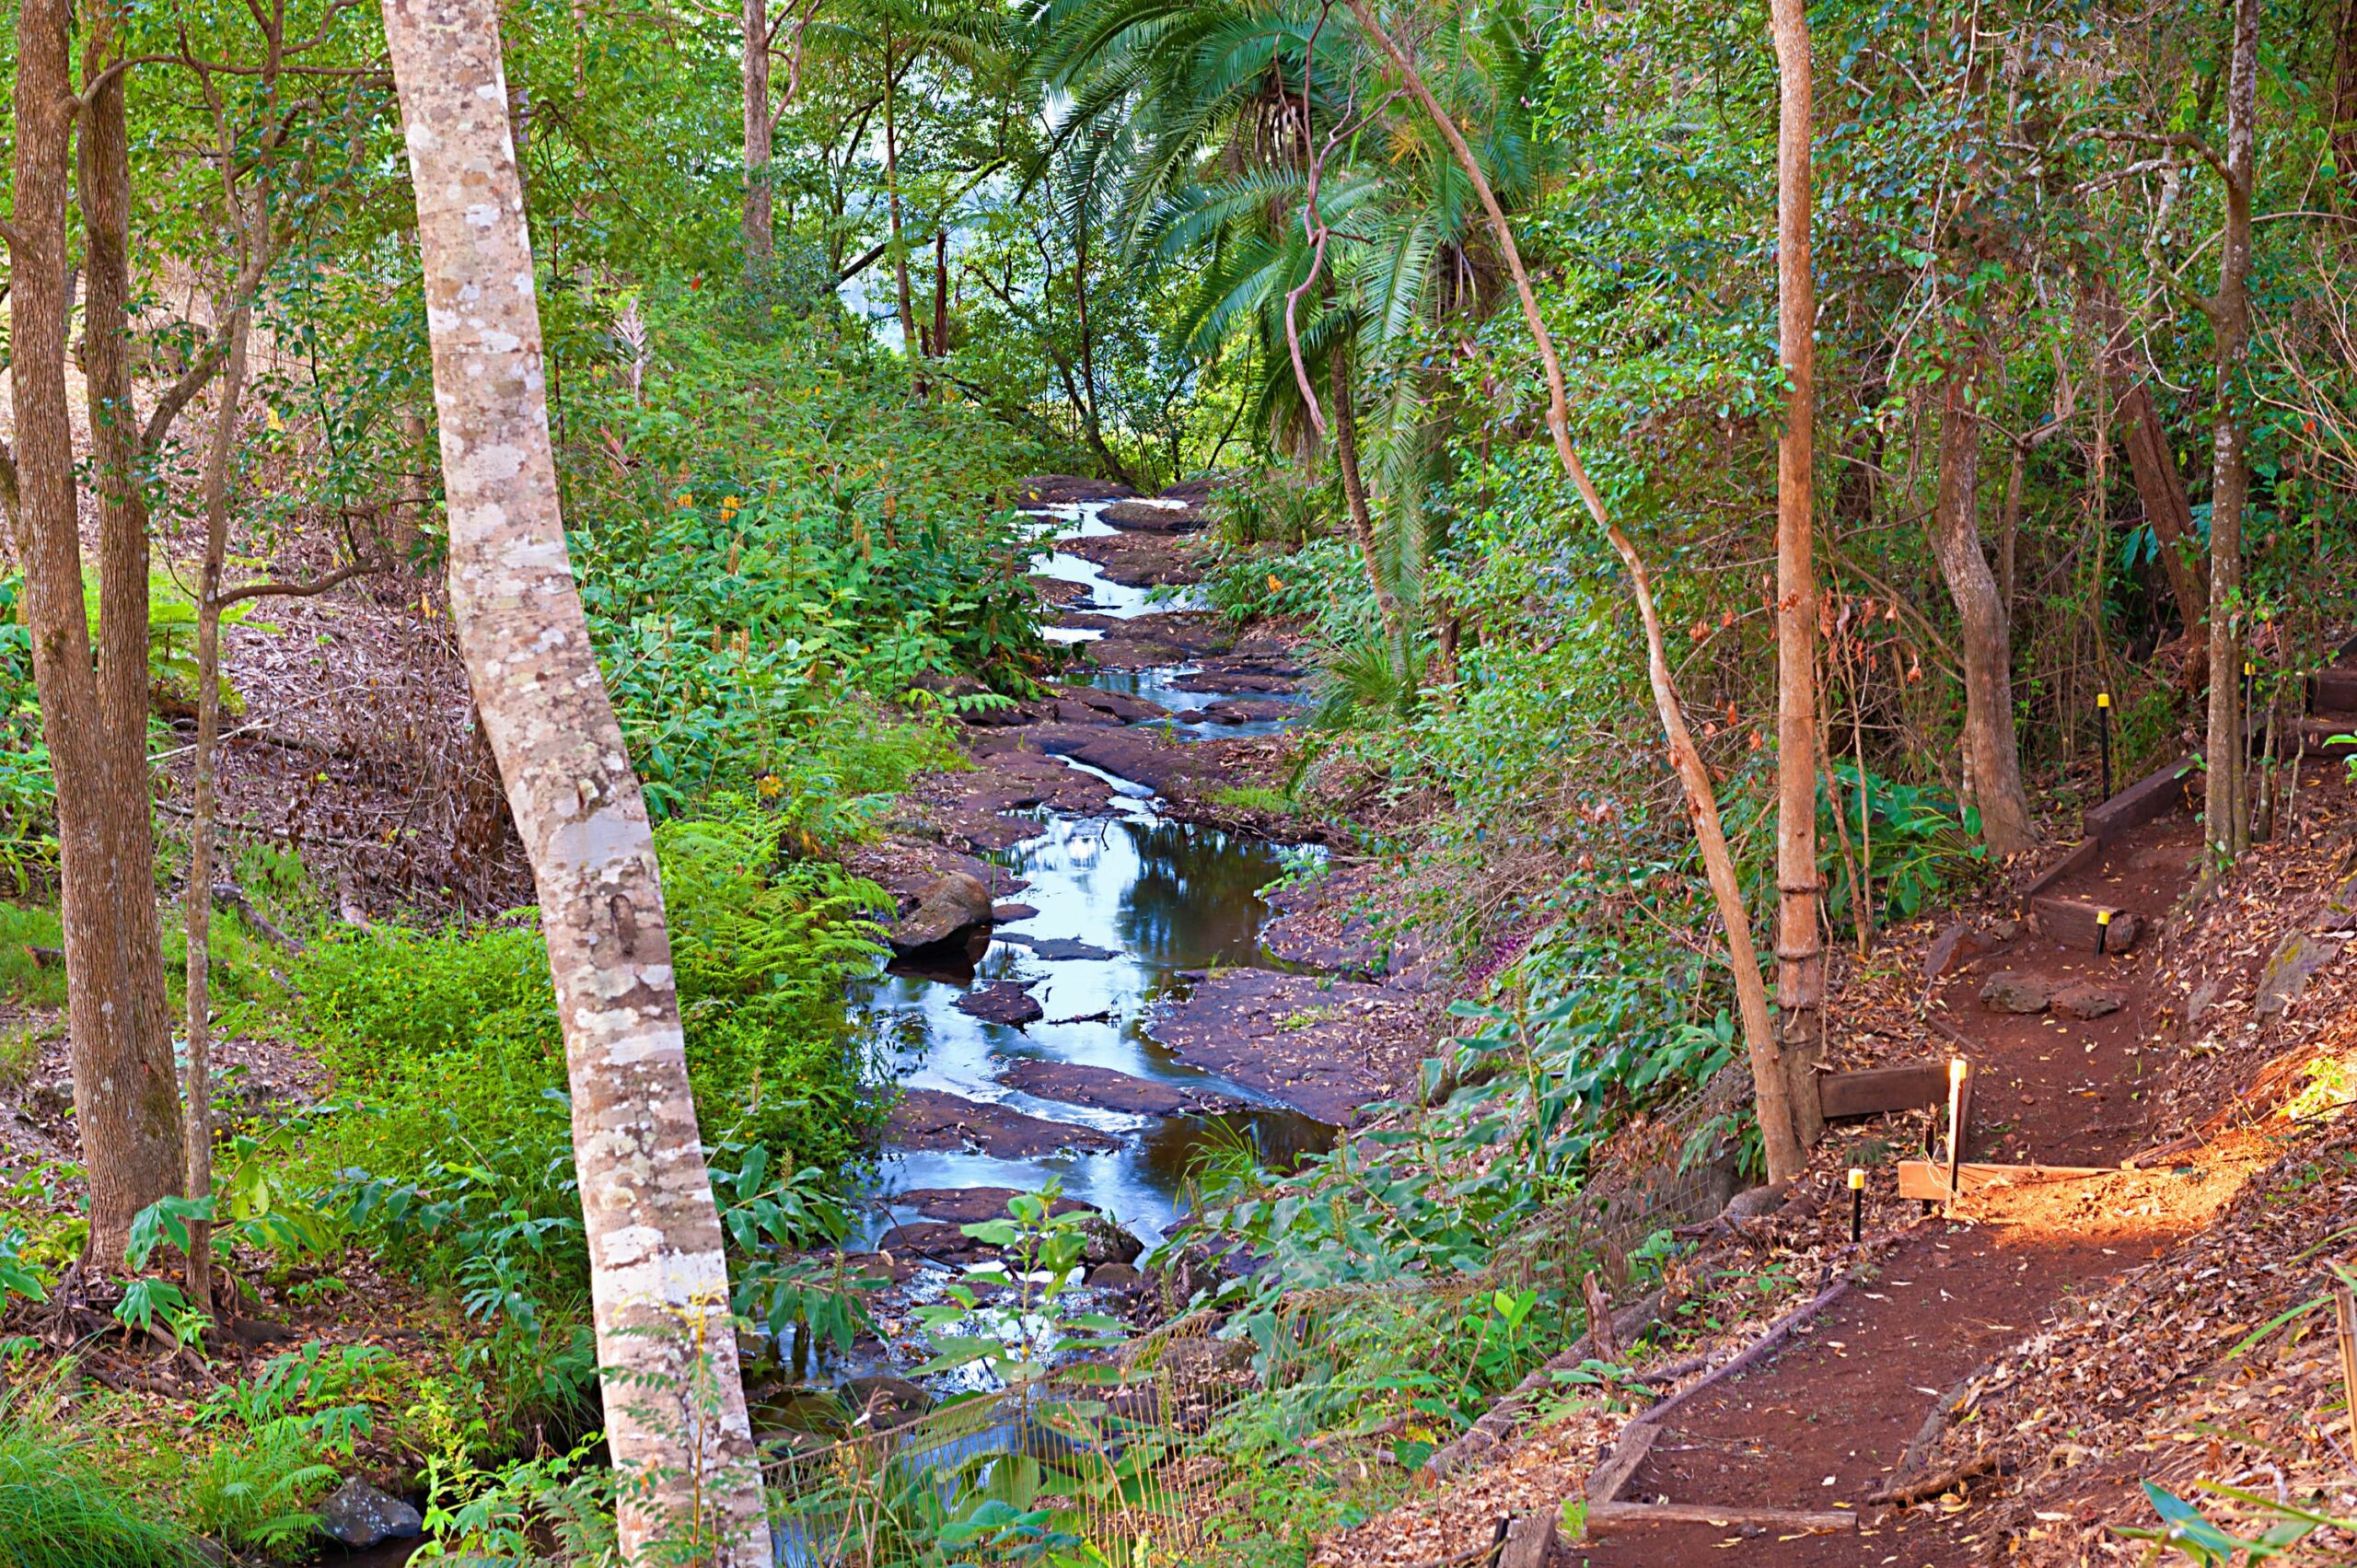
(1989, 750)
(1770, 1078)
(1800, 950)
(908, 340)
(674, 1402)
(127, 1100)
(1346, 458)
(760, 201)
(2226, 812)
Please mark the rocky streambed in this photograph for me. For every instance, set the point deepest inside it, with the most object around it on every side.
(1094, 982)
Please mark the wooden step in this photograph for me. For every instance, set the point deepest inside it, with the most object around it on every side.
(2323, 736)
(1871, 1093)
(2333, 691)
(1928, 1179)
(2164, 792)
(2079, 924)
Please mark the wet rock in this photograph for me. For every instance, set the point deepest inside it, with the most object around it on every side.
(1001, 913)
(1117, 706)
(2085, 999)
(1165, 767)
(1077, 1084)
(1105, 1242)
(2010, 991)
(971, 1205)
(1146, 517)
(1124, 1277)
(937, 1241)
(358, 1516)
(2285, 978)
(1228, 677)
(954, 902)
(1327, 1048)
(1146, 641)
(1065, 489)
(1236, 710)
(1061, 949)
(880, 1402)
(1002, 1002)
(934, 1119)
(1141, 559)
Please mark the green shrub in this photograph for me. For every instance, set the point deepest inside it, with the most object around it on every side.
(61, 1507)
(458, 1029)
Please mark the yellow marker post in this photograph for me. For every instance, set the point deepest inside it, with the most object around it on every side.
(2103, 737)
(2103, 928)
(1957, 1072)
(1857, 1203)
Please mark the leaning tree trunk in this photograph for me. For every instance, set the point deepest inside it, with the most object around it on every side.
(1346, 458)
(675, 1404)
(2225, 819)
(1990, 753)
(126, 1101)
(1774, 1081)
(1800, 950)
(2158, 484)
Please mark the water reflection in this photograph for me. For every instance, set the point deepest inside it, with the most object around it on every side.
(1173, 899)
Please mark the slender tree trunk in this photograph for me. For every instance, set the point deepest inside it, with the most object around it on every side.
(2343, 126)
(908, 338)
(123, 1070)
(761, 240)
(1771, 1080)
(940, 344)
(666, 1345)
(2158, 484)
(197, 907)
(1346, 458)
(1990, 753)
(1800, 949)
(2226, 813)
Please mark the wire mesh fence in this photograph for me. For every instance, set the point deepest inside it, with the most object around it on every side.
(1124, 1453)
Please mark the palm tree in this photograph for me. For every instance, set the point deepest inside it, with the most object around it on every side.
(1242, 143)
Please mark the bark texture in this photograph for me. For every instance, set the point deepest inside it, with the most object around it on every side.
(1991, 754)
(1770, 1079)
(2226, 810)
(760, 223)
(674, 1410)
(2158, 484)
(126, 1099)
(1800, 951)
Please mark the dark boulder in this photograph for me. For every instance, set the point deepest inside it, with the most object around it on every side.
(1002, 1002)
(955, 901)
(360, 1516)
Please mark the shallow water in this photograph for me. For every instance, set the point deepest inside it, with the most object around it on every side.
(1086, 520)
(1170, 899)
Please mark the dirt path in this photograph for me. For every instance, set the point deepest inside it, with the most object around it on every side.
(1823, 1424)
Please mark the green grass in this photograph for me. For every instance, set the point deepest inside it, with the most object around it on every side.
(1252, 797)
(19, 1054)
(60, 1507)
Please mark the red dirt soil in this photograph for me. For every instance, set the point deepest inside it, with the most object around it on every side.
(1822, 1424)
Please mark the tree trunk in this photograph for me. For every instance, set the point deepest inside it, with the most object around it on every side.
(1991, 754)
(1770, 1079)
(940, 342)
(2343, 126)
(2158, 484)
(126, 1090)
(197, 906)
(761, 240)
(666, 1346)
(2226, 812)
(909, 339)
(1800, 950)
(1346, 458)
